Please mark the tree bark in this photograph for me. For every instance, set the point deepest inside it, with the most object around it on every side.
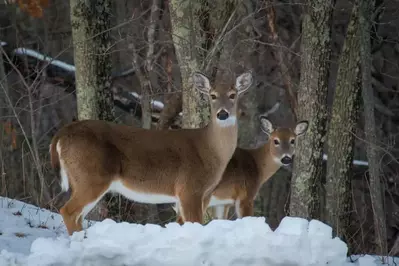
(312, 106)
(3, 124)
(185, 35)
(340, 137)
(90, 22)
(376, 189)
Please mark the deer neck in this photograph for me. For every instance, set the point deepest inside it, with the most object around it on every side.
(222, 137)
(265, 162)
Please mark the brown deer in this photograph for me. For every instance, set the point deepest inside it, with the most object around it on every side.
(249, 169)
(148, 166)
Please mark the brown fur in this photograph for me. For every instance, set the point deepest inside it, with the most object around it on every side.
(249, 169)
(186, 163)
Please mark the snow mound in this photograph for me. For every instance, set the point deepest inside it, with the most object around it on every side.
(247, 241)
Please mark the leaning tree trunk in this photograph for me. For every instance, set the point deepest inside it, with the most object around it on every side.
(340, 133)
(90, 22)
(376, 189)
(312, 106)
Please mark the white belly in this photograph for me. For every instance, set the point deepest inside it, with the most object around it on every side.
(141, 197)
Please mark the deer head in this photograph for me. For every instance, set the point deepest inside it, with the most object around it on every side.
(223, 99)
(282, 140)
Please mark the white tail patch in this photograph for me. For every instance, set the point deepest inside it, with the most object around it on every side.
(64, 180)
(63, 174)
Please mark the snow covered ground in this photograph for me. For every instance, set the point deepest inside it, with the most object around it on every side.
(32, 236)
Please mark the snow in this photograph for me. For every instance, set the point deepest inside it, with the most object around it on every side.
(355, 162)
(32, 236)
(33, 53)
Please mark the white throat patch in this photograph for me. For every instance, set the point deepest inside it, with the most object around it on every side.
(231, 121)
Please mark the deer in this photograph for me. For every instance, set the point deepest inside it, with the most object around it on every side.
(182, 166)
(249, 169)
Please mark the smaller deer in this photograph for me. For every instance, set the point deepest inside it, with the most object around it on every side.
(249, 169)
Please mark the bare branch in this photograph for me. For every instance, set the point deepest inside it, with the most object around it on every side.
(279, 56)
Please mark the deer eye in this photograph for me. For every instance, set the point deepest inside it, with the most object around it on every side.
(292, 141)
(213, 96)
(276, 142)
(232, 96)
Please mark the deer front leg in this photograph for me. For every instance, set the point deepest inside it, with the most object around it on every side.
(244, 208)
(191, 208)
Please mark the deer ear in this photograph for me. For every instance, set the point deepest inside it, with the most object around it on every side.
(201, 82)
(243, 82)
(301, 128)
(266, 125)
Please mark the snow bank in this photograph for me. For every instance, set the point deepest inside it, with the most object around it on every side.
(248, 241)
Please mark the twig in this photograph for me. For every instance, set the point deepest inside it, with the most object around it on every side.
(279, 56)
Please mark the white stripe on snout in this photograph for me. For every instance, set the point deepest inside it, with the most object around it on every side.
(230, 121)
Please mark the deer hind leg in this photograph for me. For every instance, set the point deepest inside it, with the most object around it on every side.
(79, 205)
(179, 217)
(222, 211)
(244, 208)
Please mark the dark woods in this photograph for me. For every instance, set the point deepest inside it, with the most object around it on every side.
(333, 63)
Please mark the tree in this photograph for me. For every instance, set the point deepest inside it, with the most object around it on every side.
(376, 189)
(198, 31)
(340, 137)
(312, 105)
(186, 37)
(90, 21)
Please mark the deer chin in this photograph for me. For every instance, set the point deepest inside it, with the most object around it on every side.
(231, 121)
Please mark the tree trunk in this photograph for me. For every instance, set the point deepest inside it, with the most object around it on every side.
(3, 127)
(90, 22)
(376, 189)
(312, 106)
(185, 35)
(340, 133)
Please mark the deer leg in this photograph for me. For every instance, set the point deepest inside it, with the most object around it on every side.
(78, 206)
(244, 208)
(219, 211)
(179, 218)
(226, 211)
(191, 208)
(222, 211)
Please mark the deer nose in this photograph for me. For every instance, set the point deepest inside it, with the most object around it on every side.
(286, 160)
(222, 115)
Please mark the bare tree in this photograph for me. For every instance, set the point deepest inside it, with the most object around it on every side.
(312, 105)
(376, 189)
(340, 137)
